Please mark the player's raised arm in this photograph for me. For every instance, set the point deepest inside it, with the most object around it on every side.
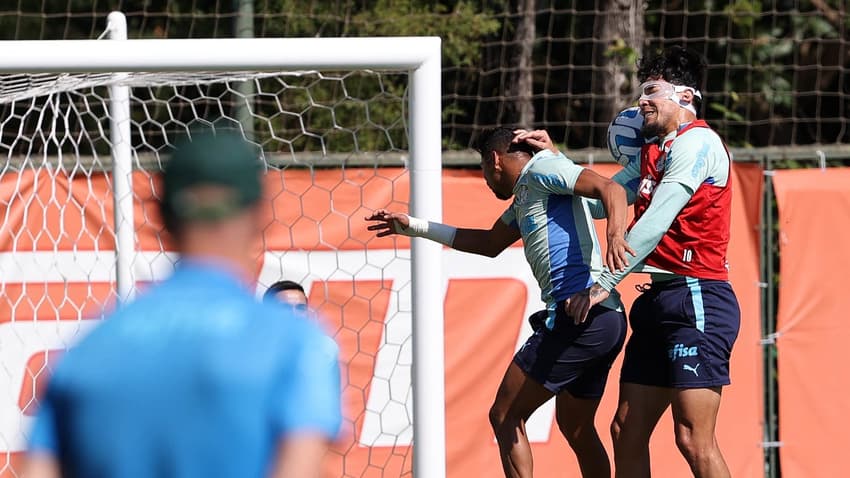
(628, 178)
(485, 242)
(613, 197)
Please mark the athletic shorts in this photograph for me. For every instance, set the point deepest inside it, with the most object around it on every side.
(574, 358)
(682, 334)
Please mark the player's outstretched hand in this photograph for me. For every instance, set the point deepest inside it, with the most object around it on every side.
(387, 222)
(617, 255)
(580, 303)
(538, 138)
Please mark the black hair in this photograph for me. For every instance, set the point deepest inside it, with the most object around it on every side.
(677, 65)
(500, 140)
(280, 286)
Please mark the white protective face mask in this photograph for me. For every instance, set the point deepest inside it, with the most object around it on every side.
(660, 89)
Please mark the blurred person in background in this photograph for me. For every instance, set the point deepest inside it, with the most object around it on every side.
(196, 378)
(289, 293)
(292, 296)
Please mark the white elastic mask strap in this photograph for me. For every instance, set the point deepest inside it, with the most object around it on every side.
(677, 97)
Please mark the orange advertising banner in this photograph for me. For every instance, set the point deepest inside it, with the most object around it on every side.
(812, 327)
(58, 267)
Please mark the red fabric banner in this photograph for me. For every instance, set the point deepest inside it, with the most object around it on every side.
(812, 326)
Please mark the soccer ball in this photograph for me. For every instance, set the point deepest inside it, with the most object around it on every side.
(624, 136)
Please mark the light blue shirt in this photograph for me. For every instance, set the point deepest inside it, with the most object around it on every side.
(557, 230)
(193, 379)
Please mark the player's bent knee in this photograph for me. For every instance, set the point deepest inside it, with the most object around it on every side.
(692, 448)
(616, 431)
(498, 417)
(581, 438)
(574, 431)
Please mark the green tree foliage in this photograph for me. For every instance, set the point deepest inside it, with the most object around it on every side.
(779, 61)
(777, 69)
(461, 25)
(355, 112)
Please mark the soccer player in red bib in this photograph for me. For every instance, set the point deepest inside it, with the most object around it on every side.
(687, 318)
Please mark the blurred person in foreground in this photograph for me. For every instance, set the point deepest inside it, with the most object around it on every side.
(564, 358)
(196, 378)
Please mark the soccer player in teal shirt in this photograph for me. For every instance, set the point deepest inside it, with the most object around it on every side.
(196, 378)
(565, 359)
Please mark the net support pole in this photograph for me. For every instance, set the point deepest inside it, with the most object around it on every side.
(429, 446)
(122, 171)
(244, 27)
(769, 351)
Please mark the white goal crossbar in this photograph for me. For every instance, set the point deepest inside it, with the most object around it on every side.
(420, 56)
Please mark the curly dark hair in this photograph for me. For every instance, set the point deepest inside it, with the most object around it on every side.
(677, 65)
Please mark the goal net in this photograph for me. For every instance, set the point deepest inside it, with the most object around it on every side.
(81, 230)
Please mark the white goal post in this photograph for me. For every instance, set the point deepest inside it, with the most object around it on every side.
(419, 56)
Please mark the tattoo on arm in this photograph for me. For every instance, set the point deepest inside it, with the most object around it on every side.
(596, 291)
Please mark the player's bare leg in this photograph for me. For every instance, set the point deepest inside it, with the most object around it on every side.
(638, 411)
(694, 419)
(576, 421)
(517, 398)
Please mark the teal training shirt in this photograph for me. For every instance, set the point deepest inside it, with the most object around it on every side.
(557, 230)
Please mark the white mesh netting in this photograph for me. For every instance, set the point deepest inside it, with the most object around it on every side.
(336, 147)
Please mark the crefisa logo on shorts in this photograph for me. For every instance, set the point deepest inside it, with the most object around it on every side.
(679, 351)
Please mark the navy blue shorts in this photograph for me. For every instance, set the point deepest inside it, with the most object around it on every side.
(682, 334)
(574, 358)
